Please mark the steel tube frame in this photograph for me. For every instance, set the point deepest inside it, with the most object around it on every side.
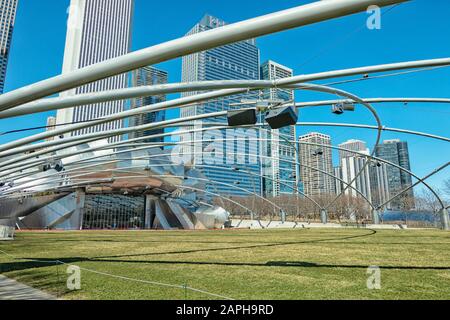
(284, 160)
(179, 102)
(224, 127)
(417, 183)
(7, 149)
(358, 126)
(143, 91)
(271, 23)
(53, 158)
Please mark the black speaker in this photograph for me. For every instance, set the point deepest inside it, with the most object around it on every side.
(242, 117)
(282, 117)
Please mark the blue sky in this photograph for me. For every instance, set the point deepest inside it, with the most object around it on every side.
(411, 31)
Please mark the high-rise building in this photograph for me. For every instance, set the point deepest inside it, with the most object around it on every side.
(316, 164)
(337, 182)
(7, 17)
(372, 182)
(237, 61)
(97, 30)
(279, 167)
(397, 152)
(148, 76)
(379, 184)
(350, 168)
(351, 165)
(352, 145)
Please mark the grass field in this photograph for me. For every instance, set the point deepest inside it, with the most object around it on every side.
(240, 264)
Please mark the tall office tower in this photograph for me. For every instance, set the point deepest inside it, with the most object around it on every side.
(350, 167)
(372, 183)
(97, 30)
(352, 145)
(237, 61)
(279, 168)
(316, 164)
(7, 17)
(397, 152)
(379, 184)
(148, 76)
(338, 185)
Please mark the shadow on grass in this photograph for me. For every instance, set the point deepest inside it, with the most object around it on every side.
(292, 264)
(46, 262)
(270, 245)
(41, 263)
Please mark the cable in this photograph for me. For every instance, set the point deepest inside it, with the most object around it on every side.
(343, 39)
(121, 277)
(47, 127)
(384, 76)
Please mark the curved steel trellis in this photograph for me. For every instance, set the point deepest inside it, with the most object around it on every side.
(263, 25)
(224, 127)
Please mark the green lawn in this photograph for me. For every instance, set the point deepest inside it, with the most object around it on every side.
(241, 264)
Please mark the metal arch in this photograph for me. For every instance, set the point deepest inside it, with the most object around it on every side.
(227, 92)
(421, 180)
(112, 145)
(56, 157)
(309, 104)
(372, 101)
(372, 158)
(284, 160)
(219, 196)
(158, 155)
(285, 184)
(178, 143)
(357, 126)
(28, 185)
(13, 147)
(190, 131)
(49, 150)
(369, 107)
(271, 23)
(100, 181)
(118, 116)
(168, 134)
(59, 103)
(337, 148)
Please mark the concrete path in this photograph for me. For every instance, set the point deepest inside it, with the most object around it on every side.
(13, 290)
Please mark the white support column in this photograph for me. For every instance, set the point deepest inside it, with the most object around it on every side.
(376, 217)
(445, 220)
(324, 216)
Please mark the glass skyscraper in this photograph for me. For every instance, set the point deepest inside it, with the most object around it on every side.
(237, 61)
(97, 30)
(148, 76)
(279, 168)
(397, 152)
(7, 17)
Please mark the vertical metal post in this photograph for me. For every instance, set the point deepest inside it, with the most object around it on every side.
(376, 217)
(445, 220)
(324, 216)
